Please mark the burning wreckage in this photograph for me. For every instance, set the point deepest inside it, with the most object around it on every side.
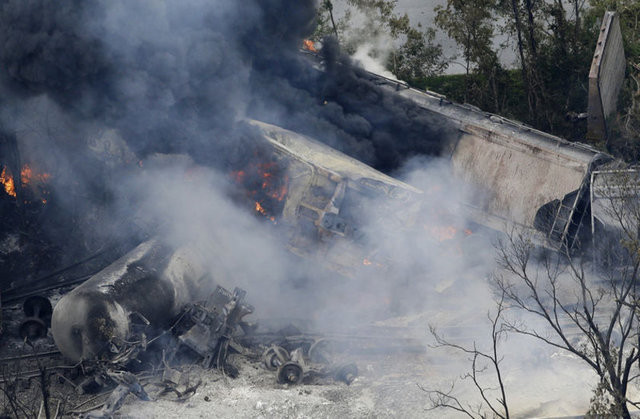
(316, 195)
(151, 296)
(154, 288)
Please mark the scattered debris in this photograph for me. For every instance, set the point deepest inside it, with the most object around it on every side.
(293, 368)
(203, 334)
(37, 310)
(127, 384)
(209, 327)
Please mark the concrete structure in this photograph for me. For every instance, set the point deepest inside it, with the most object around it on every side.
(605, 77)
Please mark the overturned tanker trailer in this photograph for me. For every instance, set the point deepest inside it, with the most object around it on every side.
(321, 198)
(522, 177)
(149, 285)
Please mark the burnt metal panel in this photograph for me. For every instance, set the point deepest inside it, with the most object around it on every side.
(606, 76)
(328, 196)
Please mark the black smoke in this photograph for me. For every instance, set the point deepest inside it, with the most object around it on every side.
(344, 108)
(179, 76)
(173, 76)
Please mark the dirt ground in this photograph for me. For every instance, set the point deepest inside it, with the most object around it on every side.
(256, 393)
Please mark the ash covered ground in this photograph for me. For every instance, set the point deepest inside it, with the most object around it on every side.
(391, 382)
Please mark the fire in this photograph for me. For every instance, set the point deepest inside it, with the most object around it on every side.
(261, 210)
(309, 45)
(370, 262)
(238, 176)
(265, 184)
(7, 181)
(269, 182)
(444, 233)
(27, 176)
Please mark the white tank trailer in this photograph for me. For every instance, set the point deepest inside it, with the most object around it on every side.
(151, 282)
(523, 177)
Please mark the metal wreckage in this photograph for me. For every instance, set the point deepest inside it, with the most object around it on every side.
(150, 296)
(145, 311)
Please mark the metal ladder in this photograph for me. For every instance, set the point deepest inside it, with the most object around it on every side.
(563, 220)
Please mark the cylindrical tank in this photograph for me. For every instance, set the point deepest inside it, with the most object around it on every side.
(153, 280)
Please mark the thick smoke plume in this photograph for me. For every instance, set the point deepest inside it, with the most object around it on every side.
(136, 109)
(94, 91)
(175, 76)
(93, 88)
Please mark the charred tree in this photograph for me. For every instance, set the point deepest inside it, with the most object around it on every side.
(592, 315)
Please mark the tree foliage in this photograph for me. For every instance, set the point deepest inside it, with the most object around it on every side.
(553, 40)
(418, 57)
(471, 25)
(408, 51)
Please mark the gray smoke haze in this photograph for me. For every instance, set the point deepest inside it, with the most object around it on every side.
(137, 111)
(178, 77)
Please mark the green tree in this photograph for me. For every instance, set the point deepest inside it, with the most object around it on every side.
(471, 25)
(409, 52)
(418, 57)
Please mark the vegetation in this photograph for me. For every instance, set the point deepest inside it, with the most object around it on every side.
(554, 42)
(588, 307)
(408, 51)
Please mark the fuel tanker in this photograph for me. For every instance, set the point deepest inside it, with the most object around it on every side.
(149, 284)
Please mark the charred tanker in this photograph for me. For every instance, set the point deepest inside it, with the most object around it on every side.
(148, 285)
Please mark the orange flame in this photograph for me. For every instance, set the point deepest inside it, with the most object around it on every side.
(374, 263)
(309, 45)
(7, 181)
(27, 176)
(238, 176)
(270, 187)
(442, 233)
(262, 211)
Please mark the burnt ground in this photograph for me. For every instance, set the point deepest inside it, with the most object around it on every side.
(389, 385)
(391, 382)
